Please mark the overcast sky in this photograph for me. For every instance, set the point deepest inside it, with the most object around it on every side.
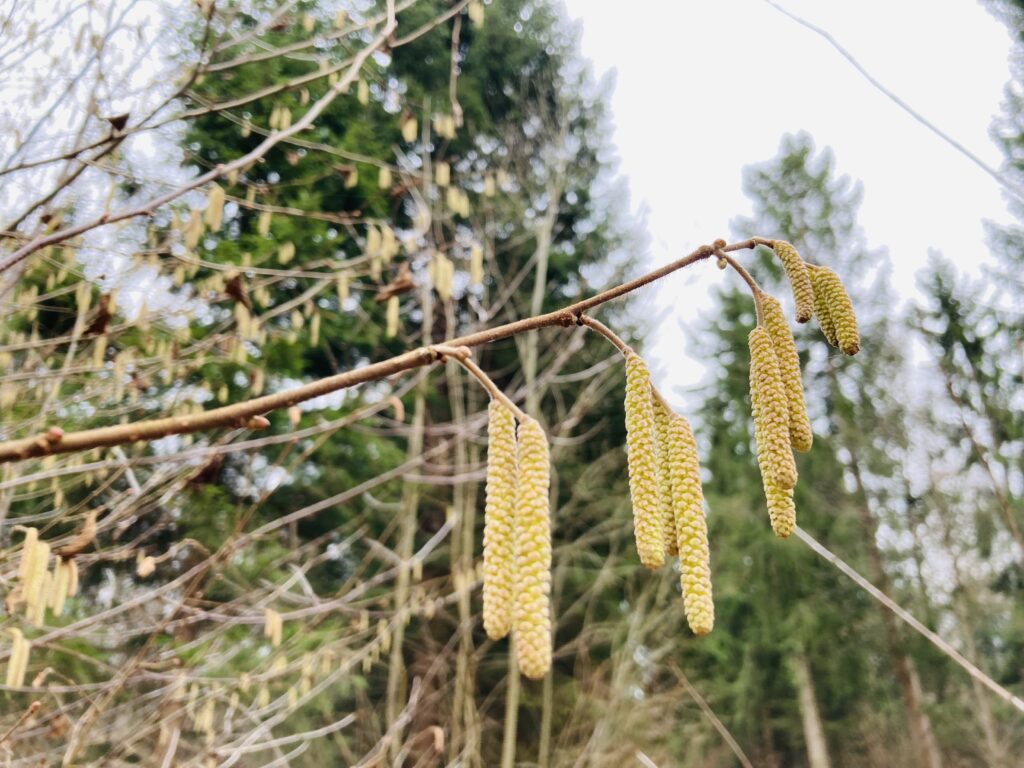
(705, 88)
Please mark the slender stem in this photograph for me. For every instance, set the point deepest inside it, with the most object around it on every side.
(755, 289)
(607, 332)
(31, 710)
(54, 441)
(491, 387)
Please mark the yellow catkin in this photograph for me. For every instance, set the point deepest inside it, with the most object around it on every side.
(410, 129)
(263, 223)
(642, 463)
(59, 591)
(771, 411)
(391, 317)
(476, 264)
(499, 516)
(214, 213)
(690, 526)
(781, 509)
(28, 550)
(799, 279)
(800, 435)
(532, 619)
(662, 417)
(272, 626)
(17, 662)
(821, 308)
(72, 566)
(35, 581)
(840, 310)
(442, 174)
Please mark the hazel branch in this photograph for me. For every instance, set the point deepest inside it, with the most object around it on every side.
(250, 413)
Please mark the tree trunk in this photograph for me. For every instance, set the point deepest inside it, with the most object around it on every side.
(814, 730)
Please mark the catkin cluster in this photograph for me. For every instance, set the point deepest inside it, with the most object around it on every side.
(664, 483)
(799, 279)
(642, 461)
(771, 432)
(517, 538)
(835, 310)
(41, 588)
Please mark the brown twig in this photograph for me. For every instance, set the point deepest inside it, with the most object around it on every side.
(755, 289)
(31, 710)
(242, 414)
(607, 332)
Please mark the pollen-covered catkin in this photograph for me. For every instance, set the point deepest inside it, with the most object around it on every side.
(642, 463)
(821, 308)
(799, 279)
(771, 411)
(662, 417)
(499, 515)
(690, 527)
(800, 435)
(840, 308)
(781, 509)
(532, 622)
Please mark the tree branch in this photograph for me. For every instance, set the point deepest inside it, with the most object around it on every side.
(55, 440)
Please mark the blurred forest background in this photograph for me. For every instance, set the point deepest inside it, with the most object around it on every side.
(308, 593)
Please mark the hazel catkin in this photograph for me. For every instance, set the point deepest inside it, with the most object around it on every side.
(781, 509)
(532, 619)
(499, 514)
(643, 464)
(799, 279)
(800, 435)
(840, 310)
(821, 309)
(690, 526)
(662, 418)
(771, 411)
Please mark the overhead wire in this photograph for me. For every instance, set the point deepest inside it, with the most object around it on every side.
(1013, 189)
(909, 620)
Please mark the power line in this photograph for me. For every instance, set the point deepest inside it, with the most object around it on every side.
(913, 623)
(1005, 183)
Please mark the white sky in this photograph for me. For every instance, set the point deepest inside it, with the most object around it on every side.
(705, 88)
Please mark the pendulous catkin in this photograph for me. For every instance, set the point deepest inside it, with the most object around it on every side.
(690, 526)
(842, 318)
(800, 435)
(781, 509)
(642, 462)
(799, 279)
(499, 519)
(771, 411)
(532, 620)
(17, 662)
(824, 314)
(662, 417)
